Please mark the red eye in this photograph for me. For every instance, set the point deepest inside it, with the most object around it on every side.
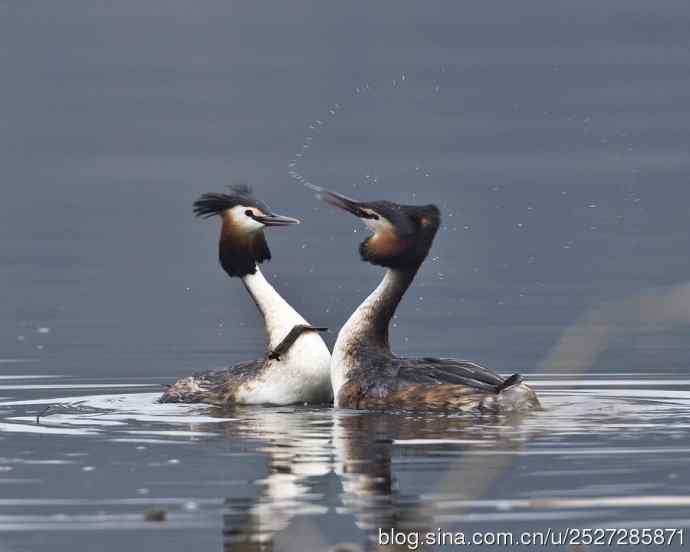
(424, 221)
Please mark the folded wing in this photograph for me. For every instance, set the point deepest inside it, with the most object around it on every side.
(415, 371)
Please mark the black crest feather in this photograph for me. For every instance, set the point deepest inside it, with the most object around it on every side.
(211, 204)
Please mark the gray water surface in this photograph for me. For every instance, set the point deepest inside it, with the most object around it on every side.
(553, 136)
(610, 452)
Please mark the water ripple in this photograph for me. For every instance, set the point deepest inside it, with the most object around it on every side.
(608, 450)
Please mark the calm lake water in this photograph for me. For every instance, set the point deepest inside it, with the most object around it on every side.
(552, 136)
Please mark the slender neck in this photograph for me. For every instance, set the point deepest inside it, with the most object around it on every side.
(368, 325)
(279, 316)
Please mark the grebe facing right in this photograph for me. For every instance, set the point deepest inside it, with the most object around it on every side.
(296, 367)
(364, 372)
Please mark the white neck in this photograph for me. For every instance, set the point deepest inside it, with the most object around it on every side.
(368, 325)
(360, 322)
(279, 316)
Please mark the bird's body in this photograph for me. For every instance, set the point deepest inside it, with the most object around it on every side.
(261, 381)
(365, 374)
(295, 369)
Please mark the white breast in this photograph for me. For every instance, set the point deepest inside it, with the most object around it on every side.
(359, 322)
(300, 376)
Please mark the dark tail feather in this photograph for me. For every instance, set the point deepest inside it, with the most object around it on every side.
(509, 382)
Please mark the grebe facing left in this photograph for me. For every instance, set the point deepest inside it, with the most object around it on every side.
(364, 372)
(296, 368)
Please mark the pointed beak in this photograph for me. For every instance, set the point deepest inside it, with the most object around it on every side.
(341, 201)
(272, 219)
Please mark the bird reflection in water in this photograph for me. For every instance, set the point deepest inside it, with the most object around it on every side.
(314, 455)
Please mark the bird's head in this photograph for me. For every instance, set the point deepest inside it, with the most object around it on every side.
(401, 234)
(244, 218)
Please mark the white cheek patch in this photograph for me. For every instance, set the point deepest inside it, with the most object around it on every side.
(242, 221)
(378, 225)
